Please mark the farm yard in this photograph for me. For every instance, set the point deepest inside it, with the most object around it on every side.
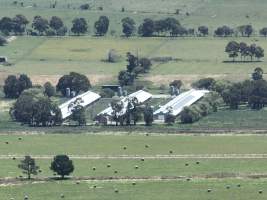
(214, 167)
(133, 99)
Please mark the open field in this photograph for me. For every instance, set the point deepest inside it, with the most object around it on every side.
(156, 177)
(142, 190)
(48, 58)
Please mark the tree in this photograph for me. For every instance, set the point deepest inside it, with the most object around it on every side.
(203, 30)
(56, 24)
(85, 6)
(35, 109)
(49, 89)
(78, 114)
(232, 49)
(101, 26)
(24, 82)
(224, 31)
(117, 107)
(245, 30)
(132, 62)
(13, 87)
(259, 52)
(79, 26)
(128, 26)
(125, 78)
(177, 84)
(263, 32)
(233, 95)
(28, 166)
(189, 115)
(258, 96)
(6, 25)
(19, 24)
(146, 29)
(62, 165)
(40, 24)
(145, 64)
(148, 115)
(204, 83)
(257, 74)
(3, 41)
(74, 81)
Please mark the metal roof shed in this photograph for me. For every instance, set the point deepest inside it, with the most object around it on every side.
(183, 100)
(83, 100)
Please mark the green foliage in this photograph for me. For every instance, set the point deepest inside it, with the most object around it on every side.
(128, 26)
(208, 104)
(205, 83)
(107, 93)
(28, 166)
(3, 41)
(35, 109)
(49, 89)
(75, 81)
(15, 86)
(102, 25)
(148, 115)
(79, 26)
(62, 165)
(40, 24)
(78, 114)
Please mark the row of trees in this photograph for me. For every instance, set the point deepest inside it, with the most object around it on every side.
(149, 27)
(252, 93)
(242, 50)
(55, 26)
(61, 165)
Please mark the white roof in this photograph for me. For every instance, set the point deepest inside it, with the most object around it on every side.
(140, 95)
(183, 100)
(84, 100)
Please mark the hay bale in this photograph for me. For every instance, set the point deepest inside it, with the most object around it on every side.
(7, 142)
(26, 197)
(188, 179)
(142, 159)
(197, 162)
(260, 191)
(94, 168)
(40, 171)
(20, 138)
(124, 148)
(94, 186)
(134, 183)
(13, 158)
(62, 196)
(186, 164)
(171, 152)
(116, 191)
(77, 182)
(136, 167)
(115, 172)
(209, 190)
(108, 165)
(239, 185)
(228, 187)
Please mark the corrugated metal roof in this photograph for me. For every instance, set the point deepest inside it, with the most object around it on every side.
(183, 100)
(140, 95)
(84, 100)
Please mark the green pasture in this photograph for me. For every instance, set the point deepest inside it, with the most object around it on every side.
(194, 56)
(196, 189)
(214, 168)
(103, 145)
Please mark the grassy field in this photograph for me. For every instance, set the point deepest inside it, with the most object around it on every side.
(212, 173)
(142, 190)
(48, 58)
(103, 145)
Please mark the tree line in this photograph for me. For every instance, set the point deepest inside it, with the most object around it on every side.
(169, 26)
(244, 51)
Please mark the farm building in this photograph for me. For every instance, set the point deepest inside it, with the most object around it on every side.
(84, 100)
(177, 104)
(105, 117)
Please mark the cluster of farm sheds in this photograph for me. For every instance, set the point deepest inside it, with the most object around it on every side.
(176, 104)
